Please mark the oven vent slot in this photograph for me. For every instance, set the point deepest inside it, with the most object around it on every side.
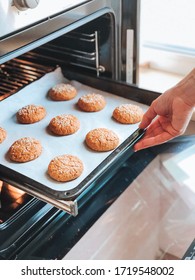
(17, 73)
(74, 48)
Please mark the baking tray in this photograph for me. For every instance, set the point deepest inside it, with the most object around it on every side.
(32, 176)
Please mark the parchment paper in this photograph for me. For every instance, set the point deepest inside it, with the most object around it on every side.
(37, 93)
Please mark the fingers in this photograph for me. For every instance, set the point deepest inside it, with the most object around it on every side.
(147, 142)
(148, 117)
(155, 134)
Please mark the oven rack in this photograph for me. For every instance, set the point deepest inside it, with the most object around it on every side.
(19, 72)
(87, 57)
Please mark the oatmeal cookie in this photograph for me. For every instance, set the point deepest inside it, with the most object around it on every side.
(128, 114)
(64, 124)
(25, 149)
(3, 134)
(91, 102)
(62, 92)
(65, 168)
(102, 139)
(31, 114)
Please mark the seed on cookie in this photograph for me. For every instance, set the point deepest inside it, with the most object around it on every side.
(128, 114)
(64, 124)
(91, 102)
(31, 114)
(65, 168)
(25, 149)
(102, 139)
(62, 92)
(3, 134)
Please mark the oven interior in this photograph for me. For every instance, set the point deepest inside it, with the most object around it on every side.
(89, 49)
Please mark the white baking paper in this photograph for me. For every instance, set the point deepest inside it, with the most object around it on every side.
(37, 93)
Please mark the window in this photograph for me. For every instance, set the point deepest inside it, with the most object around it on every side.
(167, 35)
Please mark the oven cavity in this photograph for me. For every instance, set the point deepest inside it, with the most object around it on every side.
(88, 49)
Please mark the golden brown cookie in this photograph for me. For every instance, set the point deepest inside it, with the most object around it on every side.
(31, 114)
(102, 139)
(25, 149)
(62, 92)
(65, 168)
(3, 134)
(91, 102)
(128, 114)
(64, 124)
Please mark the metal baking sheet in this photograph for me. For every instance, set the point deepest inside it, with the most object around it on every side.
(37, 93)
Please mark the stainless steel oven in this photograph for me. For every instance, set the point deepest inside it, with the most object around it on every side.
(95, 43)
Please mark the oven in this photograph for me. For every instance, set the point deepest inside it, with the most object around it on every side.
(96, 44)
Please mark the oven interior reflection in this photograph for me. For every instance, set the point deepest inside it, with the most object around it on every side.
(11, 200)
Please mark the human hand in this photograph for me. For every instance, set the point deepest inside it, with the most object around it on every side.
(168, 115)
